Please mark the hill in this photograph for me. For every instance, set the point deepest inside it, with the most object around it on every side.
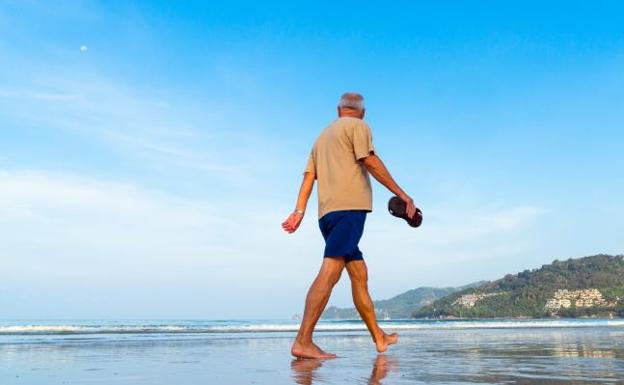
(585, 287)
(400, 306)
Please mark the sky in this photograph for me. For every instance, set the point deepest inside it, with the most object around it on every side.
(150, 150)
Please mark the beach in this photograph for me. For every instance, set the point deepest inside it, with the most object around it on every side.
(257, 352)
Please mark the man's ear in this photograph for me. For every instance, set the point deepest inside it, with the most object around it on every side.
(363, 113)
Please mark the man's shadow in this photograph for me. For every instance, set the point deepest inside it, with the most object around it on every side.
(304, 370)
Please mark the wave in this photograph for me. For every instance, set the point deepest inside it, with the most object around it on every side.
(273, 327)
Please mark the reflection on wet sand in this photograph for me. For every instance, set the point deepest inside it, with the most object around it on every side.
(304, 371)
(581, 351)
(541, 357)
(382, 365)
(582, 356)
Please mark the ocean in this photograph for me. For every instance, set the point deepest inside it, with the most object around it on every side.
(257, 352)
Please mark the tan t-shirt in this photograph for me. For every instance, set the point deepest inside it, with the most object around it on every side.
(343, 182)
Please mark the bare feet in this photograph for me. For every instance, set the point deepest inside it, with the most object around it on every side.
(385, 341)
(309, 351)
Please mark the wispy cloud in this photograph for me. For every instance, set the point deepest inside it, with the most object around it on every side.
(475, 223)
(36, 95)
(136, 122)
(91, 217)
(83, 233)
(452, 225)
(93, 105)
(54, 218)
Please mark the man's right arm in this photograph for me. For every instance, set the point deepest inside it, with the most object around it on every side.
(291, 224)
(376, 167)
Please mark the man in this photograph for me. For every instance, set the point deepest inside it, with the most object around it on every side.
(340, 160)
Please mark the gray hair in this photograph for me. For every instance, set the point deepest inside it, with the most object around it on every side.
(351, 100)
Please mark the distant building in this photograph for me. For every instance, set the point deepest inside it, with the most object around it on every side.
(564, 298)
(469, 300)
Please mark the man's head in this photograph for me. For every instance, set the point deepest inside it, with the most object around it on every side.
(351, 104)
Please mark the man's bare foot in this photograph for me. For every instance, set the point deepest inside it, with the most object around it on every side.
(309, 351)
(385, 341)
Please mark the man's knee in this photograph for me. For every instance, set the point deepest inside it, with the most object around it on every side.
(335, 277)
(359, 282)
(358, 273)
(332, 271)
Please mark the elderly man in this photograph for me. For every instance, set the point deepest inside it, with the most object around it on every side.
(340, 160)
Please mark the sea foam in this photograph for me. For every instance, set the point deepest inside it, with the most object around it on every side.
(241, 326)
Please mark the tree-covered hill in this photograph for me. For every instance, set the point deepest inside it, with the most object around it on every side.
(589, 286)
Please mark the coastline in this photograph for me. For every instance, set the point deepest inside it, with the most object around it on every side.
(34, 328)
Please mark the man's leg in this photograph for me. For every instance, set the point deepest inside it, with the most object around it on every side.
(359, 286)
(316, 300)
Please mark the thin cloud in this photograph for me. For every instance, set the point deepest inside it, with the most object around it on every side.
(98, 105)
(69, 236)
(49, 219)
(52, 218)
(446, 227)
(38, 95)
(138, 124)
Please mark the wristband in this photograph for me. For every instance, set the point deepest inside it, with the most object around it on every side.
(299, 211)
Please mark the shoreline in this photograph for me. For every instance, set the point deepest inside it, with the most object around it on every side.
(27, 328)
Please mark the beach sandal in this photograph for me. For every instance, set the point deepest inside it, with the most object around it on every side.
(396, 207)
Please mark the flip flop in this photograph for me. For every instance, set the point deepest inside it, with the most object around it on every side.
(397, 207)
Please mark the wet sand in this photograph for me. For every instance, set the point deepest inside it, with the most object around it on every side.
(490, 356)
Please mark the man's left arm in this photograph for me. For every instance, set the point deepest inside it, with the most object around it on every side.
(378, 170)
(293, 221)
(365, 153)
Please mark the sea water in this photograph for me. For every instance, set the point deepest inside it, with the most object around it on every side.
(257, 352)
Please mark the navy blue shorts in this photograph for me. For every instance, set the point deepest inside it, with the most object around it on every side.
(342, 231)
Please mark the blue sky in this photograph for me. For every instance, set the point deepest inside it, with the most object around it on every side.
(149, 151)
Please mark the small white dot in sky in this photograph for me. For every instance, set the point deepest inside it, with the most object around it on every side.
(83, 48)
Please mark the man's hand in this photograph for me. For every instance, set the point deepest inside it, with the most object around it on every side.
(410, 208)
(291, 223)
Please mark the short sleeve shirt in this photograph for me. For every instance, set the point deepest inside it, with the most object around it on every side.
(343, 181)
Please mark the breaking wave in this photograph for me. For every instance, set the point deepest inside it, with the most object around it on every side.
(238, 326)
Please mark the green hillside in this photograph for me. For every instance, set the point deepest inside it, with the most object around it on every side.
(400, 306)
(589, 286)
